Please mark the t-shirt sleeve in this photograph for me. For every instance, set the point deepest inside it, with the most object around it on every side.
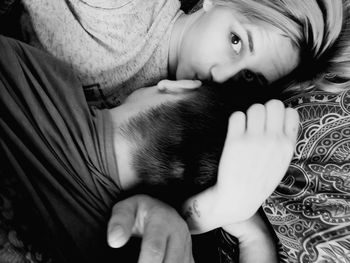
(60, 149)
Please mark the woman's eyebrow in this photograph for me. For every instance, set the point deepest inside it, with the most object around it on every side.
(250, 41)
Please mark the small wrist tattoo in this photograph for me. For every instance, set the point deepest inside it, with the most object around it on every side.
(192, 210)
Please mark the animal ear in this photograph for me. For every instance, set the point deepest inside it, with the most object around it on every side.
(207, 5)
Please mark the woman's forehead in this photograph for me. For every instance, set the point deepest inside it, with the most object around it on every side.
(274, 54)
(264, 13)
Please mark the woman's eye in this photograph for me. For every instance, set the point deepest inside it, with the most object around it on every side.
(248, 76)
(236, 43)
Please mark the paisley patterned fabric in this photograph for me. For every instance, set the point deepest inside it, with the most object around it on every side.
(310, 210)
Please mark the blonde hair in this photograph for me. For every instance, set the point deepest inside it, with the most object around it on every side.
(319, 29)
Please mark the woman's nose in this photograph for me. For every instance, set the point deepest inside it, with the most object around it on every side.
(220, 72)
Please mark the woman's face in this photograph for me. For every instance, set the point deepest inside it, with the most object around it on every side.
(221, 44)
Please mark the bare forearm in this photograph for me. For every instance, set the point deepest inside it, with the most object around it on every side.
(256, 242)
(262, 251)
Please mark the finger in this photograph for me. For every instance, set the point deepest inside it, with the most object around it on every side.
(187, 84)
(188, 252)
(174, 252)
(154, 243)
(237, 124)
(172, 86)
(275, 111)
(121, 224)
(179, 250)
(163, 84)
(291, 124)
(256, 119)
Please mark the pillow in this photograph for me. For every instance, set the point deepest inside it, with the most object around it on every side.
(310, 209)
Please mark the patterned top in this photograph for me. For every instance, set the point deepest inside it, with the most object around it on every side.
(115, 46)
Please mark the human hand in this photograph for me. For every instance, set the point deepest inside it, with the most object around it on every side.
(175, 86)
(165, 235)
(258, 149)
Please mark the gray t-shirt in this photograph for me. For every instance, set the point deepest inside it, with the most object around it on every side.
(114, 46)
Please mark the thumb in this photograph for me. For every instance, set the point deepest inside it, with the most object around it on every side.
(121, 223)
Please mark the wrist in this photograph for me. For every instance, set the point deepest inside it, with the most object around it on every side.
(197, 211)
(250, 230)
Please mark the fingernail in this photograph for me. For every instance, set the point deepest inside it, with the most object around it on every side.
(115, 236)
(117, 231)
